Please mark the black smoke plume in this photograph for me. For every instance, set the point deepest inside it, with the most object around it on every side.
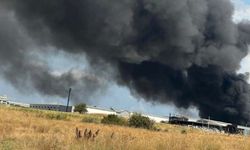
(184, 52)
(26, 71)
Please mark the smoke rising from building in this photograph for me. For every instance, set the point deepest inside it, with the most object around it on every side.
(184, 52)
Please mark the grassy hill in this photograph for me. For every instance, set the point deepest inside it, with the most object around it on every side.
(28, 129)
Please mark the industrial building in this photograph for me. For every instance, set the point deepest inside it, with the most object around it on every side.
(53, 107)
(56, 107)
(210, 125)
(96, 110)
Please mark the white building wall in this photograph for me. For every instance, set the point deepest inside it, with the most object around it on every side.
(156, 119)
(99, 111)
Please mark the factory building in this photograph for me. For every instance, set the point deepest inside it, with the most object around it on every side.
(53, 107)
(3, 100)
(96, 110)
(210, 125)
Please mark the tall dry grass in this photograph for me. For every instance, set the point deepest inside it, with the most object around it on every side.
(27, 129)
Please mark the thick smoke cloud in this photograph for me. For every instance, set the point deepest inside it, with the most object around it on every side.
(216, 93)
(184, 52)
(26, 71)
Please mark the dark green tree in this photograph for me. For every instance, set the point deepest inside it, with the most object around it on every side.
(114, 119)
(81, 108)
(139, 121)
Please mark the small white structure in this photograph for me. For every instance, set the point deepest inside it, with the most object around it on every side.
(246, 130)
(3, 100)
(122, 113)
(18, 104)
(215, 122)
(95, 110)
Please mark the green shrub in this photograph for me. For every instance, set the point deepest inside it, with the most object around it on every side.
(114, 119)
(154, 128)
(56, 116)
(81, 108)
(139, 121)
(91, 119)
(165, 130)
(183, 131)
(7, 144)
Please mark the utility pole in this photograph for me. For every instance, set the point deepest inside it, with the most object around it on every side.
(68, 100)
(208, 121)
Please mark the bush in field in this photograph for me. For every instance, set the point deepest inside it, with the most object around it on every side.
(91, 119)
(114, 119)
(183, 131)
(139, 121)
(52, 115)
(56, 116)
(81, 108)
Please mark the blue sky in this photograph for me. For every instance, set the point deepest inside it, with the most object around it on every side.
(115, 96)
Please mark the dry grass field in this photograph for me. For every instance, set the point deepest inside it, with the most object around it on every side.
(27, 129)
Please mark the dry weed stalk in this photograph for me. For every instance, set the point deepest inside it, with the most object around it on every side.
(112, 135)
(88, 134)
(78, 133)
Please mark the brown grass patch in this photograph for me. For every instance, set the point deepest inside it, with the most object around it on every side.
(23, 129)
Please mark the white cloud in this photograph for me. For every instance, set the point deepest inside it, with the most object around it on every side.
(245, 65)
(242, 10)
